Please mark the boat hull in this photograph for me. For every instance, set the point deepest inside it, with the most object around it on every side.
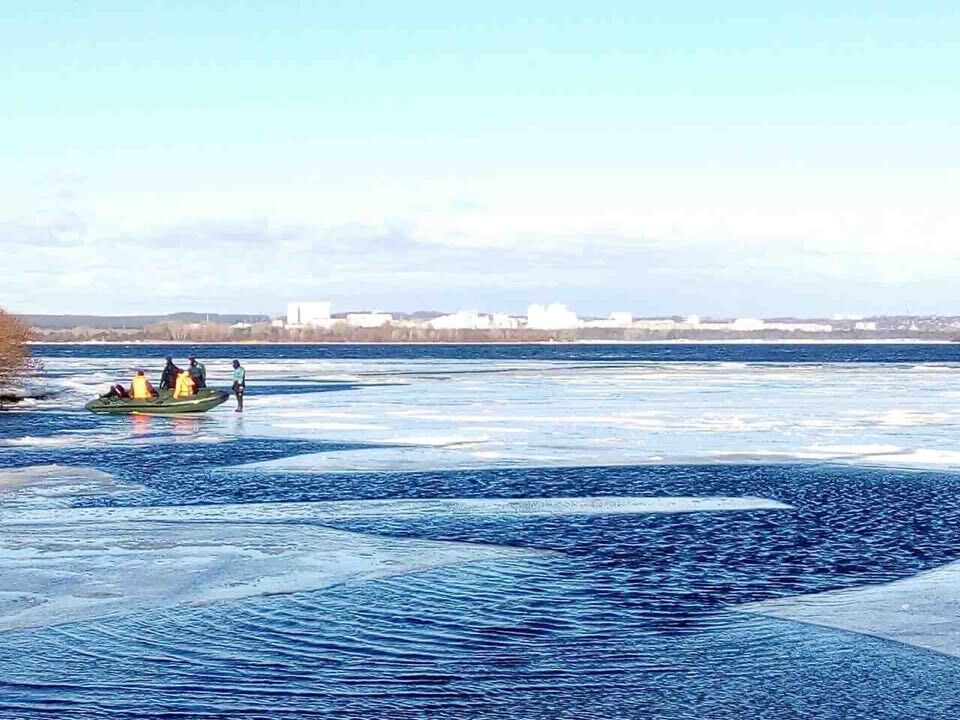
(165, 404)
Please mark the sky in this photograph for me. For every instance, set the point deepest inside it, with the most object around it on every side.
(725, 159)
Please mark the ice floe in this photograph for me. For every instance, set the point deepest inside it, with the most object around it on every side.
(53, 485)
(467, 414)
(65, 573)
(890, 456)
(66, 565)
(28, 441)
(923, 610)
(600, 415)
(403, 508)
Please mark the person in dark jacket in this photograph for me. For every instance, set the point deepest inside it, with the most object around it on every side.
(198, 373)
(168, 380)
(116, 391)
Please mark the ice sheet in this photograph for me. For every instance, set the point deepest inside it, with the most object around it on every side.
(53, 485)
(461, 414)
(409, 509)
(65, 573)
(603, 415)
(69, 564)
(862, 455)
(923, 611)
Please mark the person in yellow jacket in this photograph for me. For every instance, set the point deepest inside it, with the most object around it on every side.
(184, 386)
(140, 388)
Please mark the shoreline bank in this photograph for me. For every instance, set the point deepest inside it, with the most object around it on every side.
(758, 341)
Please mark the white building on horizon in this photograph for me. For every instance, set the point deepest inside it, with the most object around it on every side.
(369, 319)
(755, 325)
(504, 321)
(747, 325)
(462, 320)
(555, 316)
(656, 324)
(312, 313)
(798, 327)
(615, 320)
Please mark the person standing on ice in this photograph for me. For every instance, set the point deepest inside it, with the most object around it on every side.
(239, 384)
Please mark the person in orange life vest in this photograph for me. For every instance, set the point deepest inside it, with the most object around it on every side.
(184, 385)
(140, 388)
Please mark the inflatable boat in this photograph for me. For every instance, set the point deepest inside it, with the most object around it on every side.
(164, 404)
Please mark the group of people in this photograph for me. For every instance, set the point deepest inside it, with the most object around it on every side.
(182, 382)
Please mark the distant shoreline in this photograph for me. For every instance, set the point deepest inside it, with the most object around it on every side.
(742, 341)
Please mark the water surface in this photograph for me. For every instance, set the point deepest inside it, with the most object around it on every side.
(567, 615)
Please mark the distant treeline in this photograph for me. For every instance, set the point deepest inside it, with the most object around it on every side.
(266, 332)
(130, 322)
(200, 332)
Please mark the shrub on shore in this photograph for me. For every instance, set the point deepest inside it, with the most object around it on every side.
(16, 362)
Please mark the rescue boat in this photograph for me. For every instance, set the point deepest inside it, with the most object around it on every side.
(163, 404)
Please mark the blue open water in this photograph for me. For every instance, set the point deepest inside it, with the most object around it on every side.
(646, 352)
(628, 618)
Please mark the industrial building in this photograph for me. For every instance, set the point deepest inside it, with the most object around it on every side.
(555, 316)
(313, 313)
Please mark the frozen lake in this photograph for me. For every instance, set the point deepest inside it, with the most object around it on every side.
(498, 531)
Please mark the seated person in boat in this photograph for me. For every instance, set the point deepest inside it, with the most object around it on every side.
(185, 385)
(116, 391)
(140, 387)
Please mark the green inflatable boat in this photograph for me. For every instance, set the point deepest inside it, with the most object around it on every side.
(165, 404)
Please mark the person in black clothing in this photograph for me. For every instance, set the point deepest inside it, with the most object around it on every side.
(116, 391)
(168, 380)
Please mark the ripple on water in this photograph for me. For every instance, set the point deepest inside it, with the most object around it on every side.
(472, 641)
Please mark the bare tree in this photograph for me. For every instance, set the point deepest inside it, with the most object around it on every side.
(16, 362)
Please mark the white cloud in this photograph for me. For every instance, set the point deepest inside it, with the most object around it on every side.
(248, 244)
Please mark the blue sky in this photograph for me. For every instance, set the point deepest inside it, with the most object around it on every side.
(738, 158)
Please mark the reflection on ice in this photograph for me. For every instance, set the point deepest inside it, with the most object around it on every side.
(923, 610)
